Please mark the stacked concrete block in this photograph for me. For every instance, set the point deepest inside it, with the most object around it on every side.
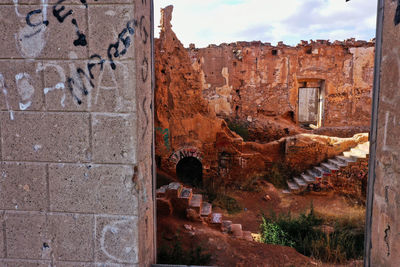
(76, 133)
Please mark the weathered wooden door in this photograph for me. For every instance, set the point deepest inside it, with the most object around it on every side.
(308, 105)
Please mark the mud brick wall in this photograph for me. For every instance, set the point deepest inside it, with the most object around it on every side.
(249, 80)
(76, 133)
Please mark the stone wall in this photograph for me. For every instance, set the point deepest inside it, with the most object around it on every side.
(76, 133)
(248, 80)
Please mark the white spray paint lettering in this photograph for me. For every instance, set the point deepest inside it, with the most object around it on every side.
(25, 89)
(5, 93)
(60, 85)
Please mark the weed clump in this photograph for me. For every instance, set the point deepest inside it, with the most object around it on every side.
(241, 128)
(279, 173)
(304, 233)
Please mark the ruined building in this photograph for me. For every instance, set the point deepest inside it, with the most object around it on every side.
(267, 87)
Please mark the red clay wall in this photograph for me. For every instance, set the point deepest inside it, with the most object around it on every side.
(245, 80)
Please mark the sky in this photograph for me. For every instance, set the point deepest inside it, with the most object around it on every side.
(205, 22)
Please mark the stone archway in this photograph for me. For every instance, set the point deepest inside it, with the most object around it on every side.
(189, 170)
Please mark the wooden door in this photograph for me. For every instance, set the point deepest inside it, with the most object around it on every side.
(308, 105)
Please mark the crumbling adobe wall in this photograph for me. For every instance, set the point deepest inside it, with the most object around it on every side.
(251, 80)
(76, 133)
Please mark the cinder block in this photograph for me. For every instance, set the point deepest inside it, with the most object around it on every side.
(2, 247)
(23, 186)
(22, 84)
(57, 85)
(113, 90)
(62, 37)
(9, 26)
(105, 24)
(26, 236)
(90, 188)
(114, 138)
(72, 236)
(116, 239)
(88, 264)
(24, 263)
(45, 136)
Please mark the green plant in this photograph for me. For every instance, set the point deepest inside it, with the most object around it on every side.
(228, 203)
(305, 235)
(271, 233)
(241, 128)
(177, 255)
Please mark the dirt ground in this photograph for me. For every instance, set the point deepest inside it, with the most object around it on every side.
(228, 251)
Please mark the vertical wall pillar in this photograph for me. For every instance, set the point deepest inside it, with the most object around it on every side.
(383, 210)
(76, 133)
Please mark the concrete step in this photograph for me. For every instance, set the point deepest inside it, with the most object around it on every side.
(184, 198)
(226, 226)
(173, 190)
(321, 171)
(329, 167)
(186, 193)
(359, 151)
(313, 173)
(346, 159)
(285, 191)
(354, 154)
(337, 163)
(247, 236)
(236, 230)
(308, 178)
(195, 202)
(364, 146)
(206, 209)
(293, 187)
(160, 192)
(216, 218)
(300, 182)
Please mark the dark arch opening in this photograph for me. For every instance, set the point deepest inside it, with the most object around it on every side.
(190, 171)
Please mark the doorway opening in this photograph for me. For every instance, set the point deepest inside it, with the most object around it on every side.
(310, 105)
(189, 170)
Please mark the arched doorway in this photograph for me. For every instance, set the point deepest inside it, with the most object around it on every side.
(189, 170)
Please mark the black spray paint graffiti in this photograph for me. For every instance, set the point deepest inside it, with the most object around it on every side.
(83, 80)
(81, 37)
(397, 14)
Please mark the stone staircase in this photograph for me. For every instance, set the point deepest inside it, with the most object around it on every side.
(315, 178)
(175, 198)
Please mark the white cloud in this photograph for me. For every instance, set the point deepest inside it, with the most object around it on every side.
(217, 21)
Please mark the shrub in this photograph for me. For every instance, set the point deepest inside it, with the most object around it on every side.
(304, 234)
(271, 233)
(279, 173)
(217, 194)
(241, 128)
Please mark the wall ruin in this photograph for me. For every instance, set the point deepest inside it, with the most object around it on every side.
(250, 80)
(76, 133)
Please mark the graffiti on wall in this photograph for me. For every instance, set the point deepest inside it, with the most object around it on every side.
(165, 136)
(184, 153)
(80, 80)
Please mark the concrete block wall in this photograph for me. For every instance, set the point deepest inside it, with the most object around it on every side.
(76, 130)
(383, 225)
